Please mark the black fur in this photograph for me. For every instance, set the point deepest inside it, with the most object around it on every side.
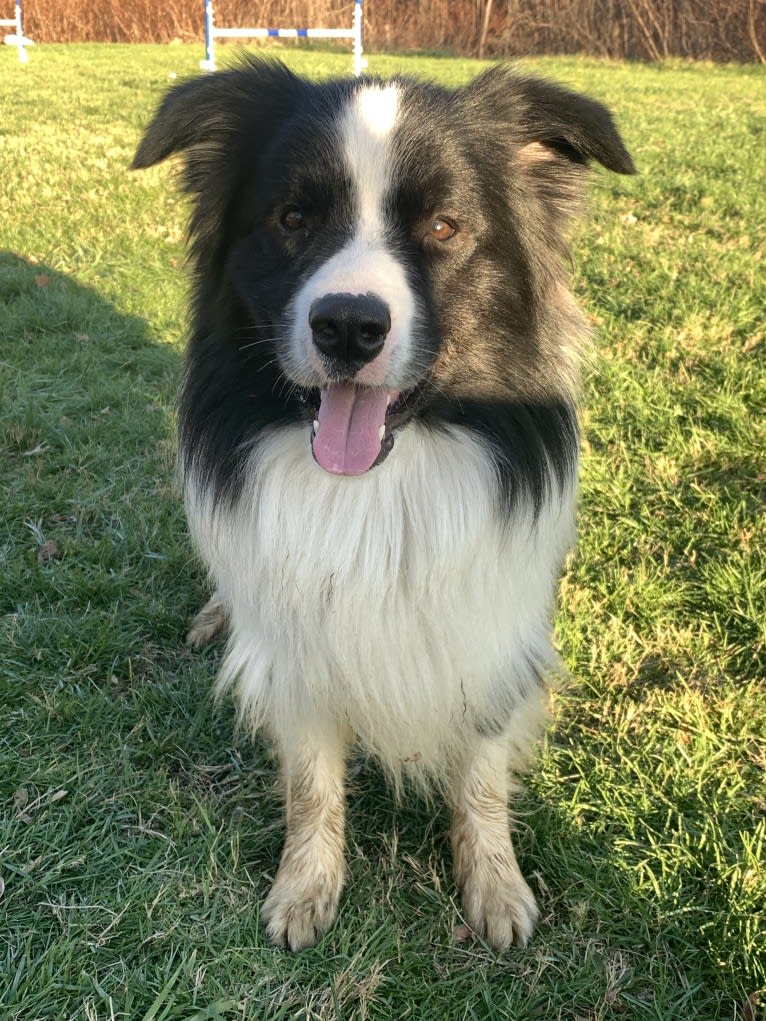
(505, 156)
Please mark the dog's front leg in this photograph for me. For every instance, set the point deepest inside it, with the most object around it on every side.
(303, 901)
(497, 902)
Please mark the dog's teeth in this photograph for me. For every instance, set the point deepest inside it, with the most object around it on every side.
(388, 400)
(316, 426)
(382, 432)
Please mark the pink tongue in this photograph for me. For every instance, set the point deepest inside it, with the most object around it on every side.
(347, 441)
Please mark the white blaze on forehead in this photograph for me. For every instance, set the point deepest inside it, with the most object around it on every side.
(377, 106)
(365, 264)
(366, 133)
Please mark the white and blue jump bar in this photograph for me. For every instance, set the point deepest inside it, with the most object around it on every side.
(212, 33)
(17, 38)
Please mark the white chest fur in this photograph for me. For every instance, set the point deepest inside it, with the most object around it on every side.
(399, 602)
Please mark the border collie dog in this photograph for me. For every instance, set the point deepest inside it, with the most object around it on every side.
(379, 438)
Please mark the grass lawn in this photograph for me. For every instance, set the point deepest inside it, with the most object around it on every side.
(139, 833)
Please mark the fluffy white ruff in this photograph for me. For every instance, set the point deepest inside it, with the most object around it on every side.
(398, 605)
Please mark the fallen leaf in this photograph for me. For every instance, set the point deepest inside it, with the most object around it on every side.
(42, 280)
(750, 1008)
(43, 801)
(48, 551)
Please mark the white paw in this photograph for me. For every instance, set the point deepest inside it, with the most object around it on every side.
(211, 622)
(500, 907)
(297, 914)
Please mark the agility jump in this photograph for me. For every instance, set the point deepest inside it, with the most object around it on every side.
(17, 38)
(212, 32)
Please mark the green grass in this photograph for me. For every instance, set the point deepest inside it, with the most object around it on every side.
(138, 833)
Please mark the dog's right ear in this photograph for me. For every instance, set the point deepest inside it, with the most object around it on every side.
(191, 114)
(210, 121)
(204, 117)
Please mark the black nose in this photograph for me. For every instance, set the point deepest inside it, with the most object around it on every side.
(350, 329)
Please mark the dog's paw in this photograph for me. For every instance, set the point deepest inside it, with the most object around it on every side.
(296, 915)
(211, 623)
(500, 908)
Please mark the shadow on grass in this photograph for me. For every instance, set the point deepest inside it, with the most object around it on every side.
(92, 518)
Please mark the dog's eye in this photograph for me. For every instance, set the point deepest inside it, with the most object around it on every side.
(293, 219)
(441, 230)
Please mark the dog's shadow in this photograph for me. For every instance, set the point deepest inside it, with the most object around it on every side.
(87, 424)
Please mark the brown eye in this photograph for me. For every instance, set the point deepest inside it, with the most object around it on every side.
(441, 230)
(293, 219)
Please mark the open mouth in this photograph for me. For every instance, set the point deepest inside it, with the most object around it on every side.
(353, 426)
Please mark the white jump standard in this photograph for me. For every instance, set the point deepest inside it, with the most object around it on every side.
(17, 38)
(212, 33)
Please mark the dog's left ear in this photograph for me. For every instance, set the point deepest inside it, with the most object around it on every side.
(547, 123)
(557, 122)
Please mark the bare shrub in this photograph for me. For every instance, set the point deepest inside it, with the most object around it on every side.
(723, 30)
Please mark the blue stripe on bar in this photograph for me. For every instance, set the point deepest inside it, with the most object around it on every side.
(276, 32)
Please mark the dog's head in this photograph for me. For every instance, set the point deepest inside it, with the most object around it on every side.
(391, 244)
